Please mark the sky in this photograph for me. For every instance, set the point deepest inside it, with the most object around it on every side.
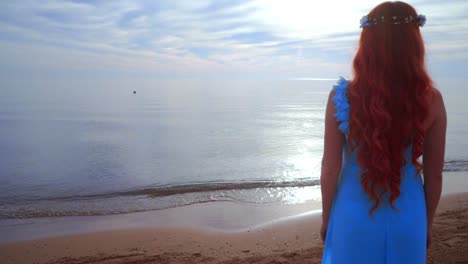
(179, 39)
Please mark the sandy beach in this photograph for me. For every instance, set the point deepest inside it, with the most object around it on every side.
(291, 240)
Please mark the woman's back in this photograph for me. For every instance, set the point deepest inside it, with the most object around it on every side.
(395, 236)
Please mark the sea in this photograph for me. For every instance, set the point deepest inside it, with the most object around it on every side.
(104, 148)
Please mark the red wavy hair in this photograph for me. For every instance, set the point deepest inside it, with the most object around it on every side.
(389, 101)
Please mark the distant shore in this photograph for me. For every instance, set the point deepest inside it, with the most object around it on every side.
(290, 240)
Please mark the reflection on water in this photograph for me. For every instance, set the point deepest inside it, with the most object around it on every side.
(174, 132)
(95, 140)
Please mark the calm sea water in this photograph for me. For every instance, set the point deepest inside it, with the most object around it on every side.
(100, 149)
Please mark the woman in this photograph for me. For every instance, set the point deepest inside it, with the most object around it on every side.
(376, 208)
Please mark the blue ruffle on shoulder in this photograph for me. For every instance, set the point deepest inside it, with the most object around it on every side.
(342, 105)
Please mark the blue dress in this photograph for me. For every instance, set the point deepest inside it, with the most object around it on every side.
(389, 236)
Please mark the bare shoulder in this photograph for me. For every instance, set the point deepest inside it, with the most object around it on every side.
(437, 102)
(436, 97)
(330, 103)
(437, 108)
(331, 94)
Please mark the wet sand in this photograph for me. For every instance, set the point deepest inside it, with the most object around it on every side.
(290, 240)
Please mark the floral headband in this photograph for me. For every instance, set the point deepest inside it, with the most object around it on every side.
(395, 20)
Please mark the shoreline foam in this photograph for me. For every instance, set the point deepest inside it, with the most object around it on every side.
(225, 216)
(161, 197)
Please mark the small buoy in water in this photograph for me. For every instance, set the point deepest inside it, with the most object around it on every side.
(134, 92)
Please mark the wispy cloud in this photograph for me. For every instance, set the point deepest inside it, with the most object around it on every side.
(295, 38)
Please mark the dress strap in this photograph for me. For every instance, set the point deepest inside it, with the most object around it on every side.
(342, 105)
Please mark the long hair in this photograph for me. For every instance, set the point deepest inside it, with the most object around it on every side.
(389, 101)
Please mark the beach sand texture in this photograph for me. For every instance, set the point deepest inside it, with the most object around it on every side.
(292, 241)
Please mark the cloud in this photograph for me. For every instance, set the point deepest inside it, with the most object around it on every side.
(295, 37)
